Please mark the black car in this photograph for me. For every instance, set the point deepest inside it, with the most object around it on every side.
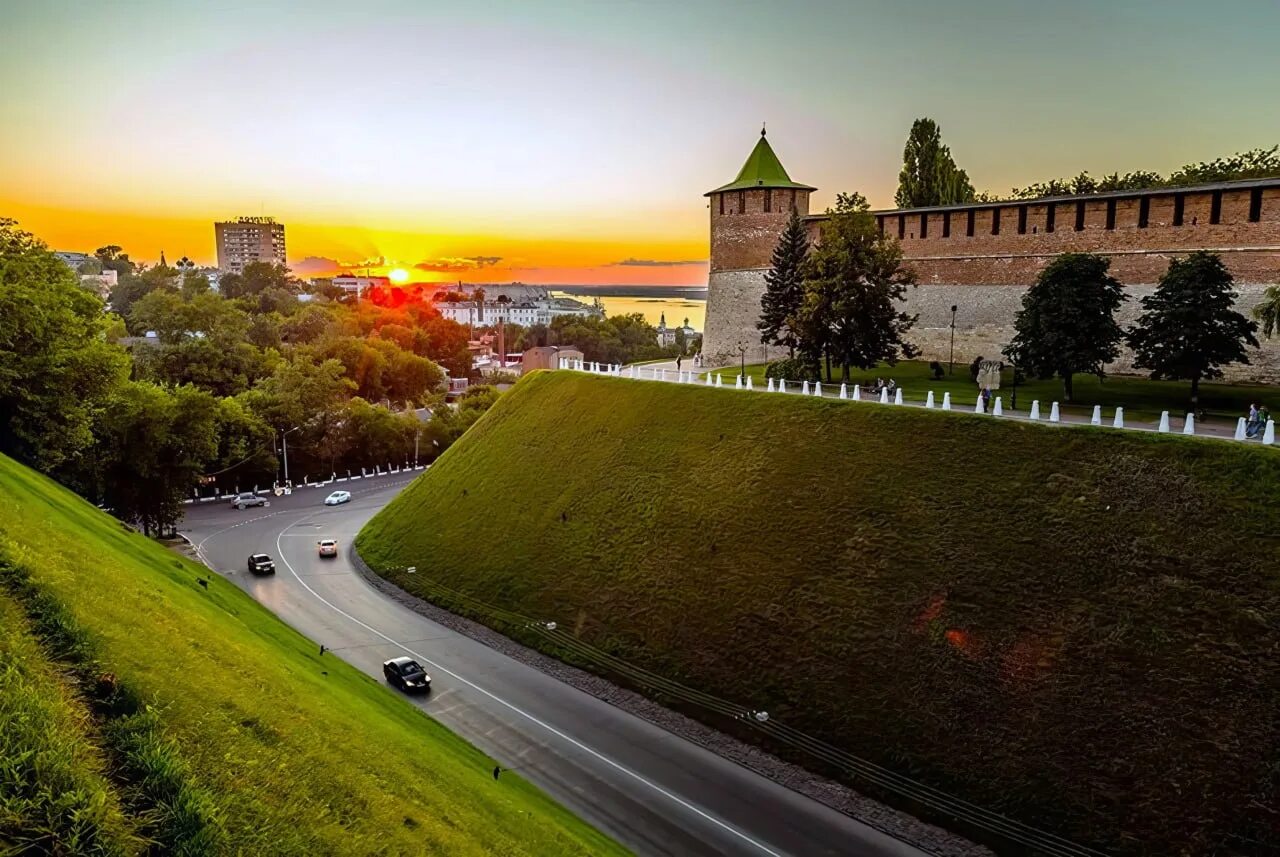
(407, 674)
(260, 563)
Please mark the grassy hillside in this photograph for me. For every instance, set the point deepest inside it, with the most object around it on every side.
(137, 707)
(1077, 626)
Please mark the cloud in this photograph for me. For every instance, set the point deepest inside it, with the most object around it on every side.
(315, 265)
(654, 263)
(450, 265)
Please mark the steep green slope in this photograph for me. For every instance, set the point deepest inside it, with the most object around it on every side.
(1076, 626)
(197, 720)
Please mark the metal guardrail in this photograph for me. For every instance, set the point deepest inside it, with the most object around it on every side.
(854, 768)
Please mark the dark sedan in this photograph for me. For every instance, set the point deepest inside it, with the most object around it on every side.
(406, 674)
(260, 563)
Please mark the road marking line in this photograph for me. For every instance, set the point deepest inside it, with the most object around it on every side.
(531, 718)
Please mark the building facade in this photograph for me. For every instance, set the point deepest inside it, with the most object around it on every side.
(248, 239)
(981, 257)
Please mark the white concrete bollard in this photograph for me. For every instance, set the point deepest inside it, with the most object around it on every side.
(769, 389)
(1189, 425)
(1054, 416)
(897, 396)
(782, 385)
(1118, 422)
(884, 397)
(857, 393)
(1269, 433)
(946, 401)
(804, 391)
(998, 410)
(1096, 419)
(844, 391)
(631, 371)
(749, 382)
(737, 382)
(979, 407)
(928, 400)
(710, 381)
(719, 380)
(817, 389)
(1240, 429)
(1163, 428)
(664, 375)
(1035, 409)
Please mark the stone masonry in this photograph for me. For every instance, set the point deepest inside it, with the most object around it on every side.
(981, 258)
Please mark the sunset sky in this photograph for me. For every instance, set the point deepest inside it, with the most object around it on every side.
(570, 142)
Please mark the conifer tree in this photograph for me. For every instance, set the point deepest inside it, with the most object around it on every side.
(784, 286)
(1188, 329)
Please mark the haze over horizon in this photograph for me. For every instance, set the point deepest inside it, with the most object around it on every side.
(570, 143)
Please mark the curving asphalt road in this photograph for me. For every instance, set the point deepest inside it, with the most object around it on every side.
(651, 790)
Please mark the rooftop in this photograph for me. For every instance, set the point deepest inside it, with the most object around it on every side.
(762, 169)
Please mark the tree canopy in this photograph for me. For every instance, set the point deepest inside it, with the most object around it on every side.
(1189, 329)
(784, 286)
(1067, 322)
(929, 174)
(854, 283)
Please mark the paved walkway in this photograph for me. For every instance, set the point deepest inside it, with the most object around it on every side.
(1204, 428)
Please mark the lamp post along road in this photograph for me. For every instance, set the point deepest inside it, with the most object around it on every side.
(951, 358)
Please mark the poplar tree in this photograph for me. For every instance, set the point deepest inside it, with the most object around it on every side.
(929, 174)
(784, 286)
(1189, 329)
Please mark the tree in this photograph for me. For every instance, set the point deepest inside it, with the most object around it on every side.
(112, 259)
(784, 286)
(929, 174)
(1067, 321)
(1188, 329)
(853, 283)
(56, 365)
(1268, 311)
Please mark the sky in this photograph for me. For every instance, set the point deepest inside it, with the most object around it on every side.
(571, 142)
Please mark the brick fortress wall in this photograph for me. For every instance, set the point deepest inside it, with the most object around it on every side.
(981, 258)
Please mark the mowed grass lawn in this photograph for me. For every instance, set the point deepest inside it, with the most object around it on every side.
(300, 754)
(1073, 625)
(1141, 398)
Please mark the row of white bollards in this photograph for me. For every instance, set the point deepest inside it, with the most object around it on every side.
(997, 408)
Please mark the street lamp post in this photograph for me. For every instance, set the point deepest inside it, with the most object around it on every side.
(284, 443)
(951, 360)
(742, 354)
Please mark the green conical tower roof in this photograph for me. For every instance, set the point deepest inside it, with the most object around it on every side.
(762, 169)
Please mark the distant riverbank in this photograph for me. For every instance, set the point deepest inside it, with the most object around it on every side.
(676, 302)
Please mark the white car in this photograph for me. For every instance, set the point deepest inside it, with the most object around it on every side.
(337, 498)
(328, 547)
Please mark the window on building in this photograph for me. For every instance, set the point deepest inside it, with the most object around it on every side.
(742, 202)
(1022, 220)
(946, 224)
(1079, 215)
(1144, 212)
(721, 203)
(1111, 214)
(1215, 207)
(1049, 210)
(768, 201)
(995, 221)
(924, 226)
(902, 226)
(880, 224)
(1255, 205)
(968, 228)
(1179, 203)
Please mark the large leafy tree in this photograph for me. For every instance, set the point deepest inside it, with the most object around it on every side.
(56, 365)
(1188, 329)
(784, 286)
(1067, 322)
(854, 284)
(929, 174)
(1268, 311)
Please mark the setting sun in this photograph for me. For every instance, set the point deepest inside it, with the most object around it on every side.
(398, 275)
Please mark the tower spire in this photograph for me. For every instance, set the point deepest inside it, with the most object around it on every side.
(762, 129)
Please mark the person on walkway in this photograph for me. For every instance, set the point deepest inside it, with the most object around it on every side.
(1252, 423)
(986, 399)
(1264, 416)
(893, 386)
(677, 362)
